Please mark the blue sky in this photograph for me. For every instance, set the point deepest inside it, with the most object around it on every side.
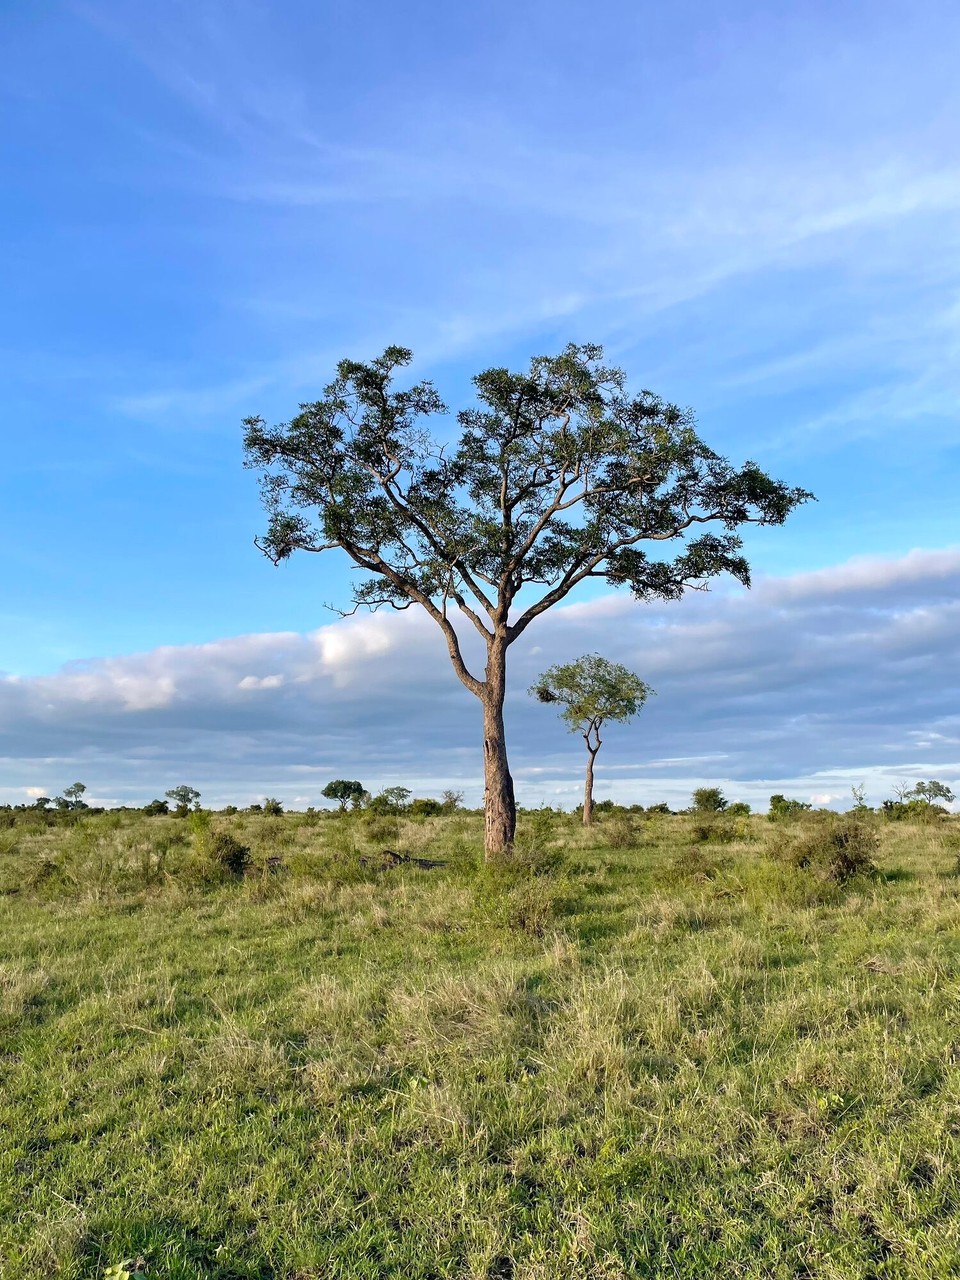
(756, 208)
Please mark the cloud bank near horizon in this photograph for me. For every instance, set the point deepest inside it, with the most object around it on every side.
(807, 684)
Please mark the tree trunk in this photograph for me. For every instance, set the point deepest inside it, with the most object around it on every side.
(588, 789)
(499, 805)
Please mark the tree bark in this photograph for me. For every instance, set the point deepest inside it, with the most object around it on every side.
(499, 804)
(588, 787)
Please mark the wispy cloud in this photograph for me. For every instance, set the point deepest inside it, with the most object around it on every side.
(604, 237)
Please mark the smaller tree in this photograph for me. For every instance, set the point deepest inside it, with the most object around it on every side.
(74, 795)
(184, 797)
(451, 801)
(272, 807)
(344, 791)
(859, 793)
(590, 691)
(41, 802)
(156, 808)
(931, 792)
(786, 807)
(708, 800)
(390, 800)
(424, 807)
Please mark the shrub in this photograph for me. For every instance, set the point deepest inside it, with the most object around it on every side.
(272, 808)
(912, 811)
(782, 807)
(693, 864)
(620, 832)
(534, 851)
(227, 853)
(379, 828)
(708, 800)
(739, 809)
(532, 907)
(156, 808)
(662, 807)
(835, 851)
(514, 894)
(424, 807)
(717, 831)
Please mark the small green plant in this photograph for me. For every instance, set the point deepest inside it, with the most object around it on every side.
(272, 808)
(129, 1269)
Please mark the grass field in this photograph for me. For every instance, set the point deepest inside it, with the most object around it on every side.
(659, 1048)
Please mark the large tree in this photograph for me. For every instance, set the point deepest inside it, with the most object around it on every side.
(559, 475)
(591, 691)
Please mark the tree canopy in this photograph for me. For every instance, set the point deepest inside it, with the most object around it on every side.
(345, 791)
(590, 691)
(183, 797)
(558, 475)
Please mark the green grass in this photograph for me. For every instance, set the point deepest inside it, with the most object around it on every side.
(645, 1061)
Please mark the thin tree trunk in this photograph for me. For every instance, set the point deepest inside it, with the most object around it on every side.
(588, 787)
(499, 804)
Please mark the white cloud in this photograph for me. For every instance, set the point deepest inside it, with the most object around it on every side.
(808, 685)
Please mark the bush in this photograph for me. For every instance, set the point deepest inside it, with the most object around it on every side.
(515, 894)
(272, 808)
(534, 851)
(708, 800)
(380, 829)
(425, 808)
(739, 809)
(718, 831)
(620, 832)
(390, 800)
(692, 864)
(227, 853)
(156, 808)
(782, 807)
(835, 851)
(912, 811)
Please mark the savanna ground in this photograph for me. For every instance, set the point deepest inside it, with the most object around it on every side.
(658, 1048)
